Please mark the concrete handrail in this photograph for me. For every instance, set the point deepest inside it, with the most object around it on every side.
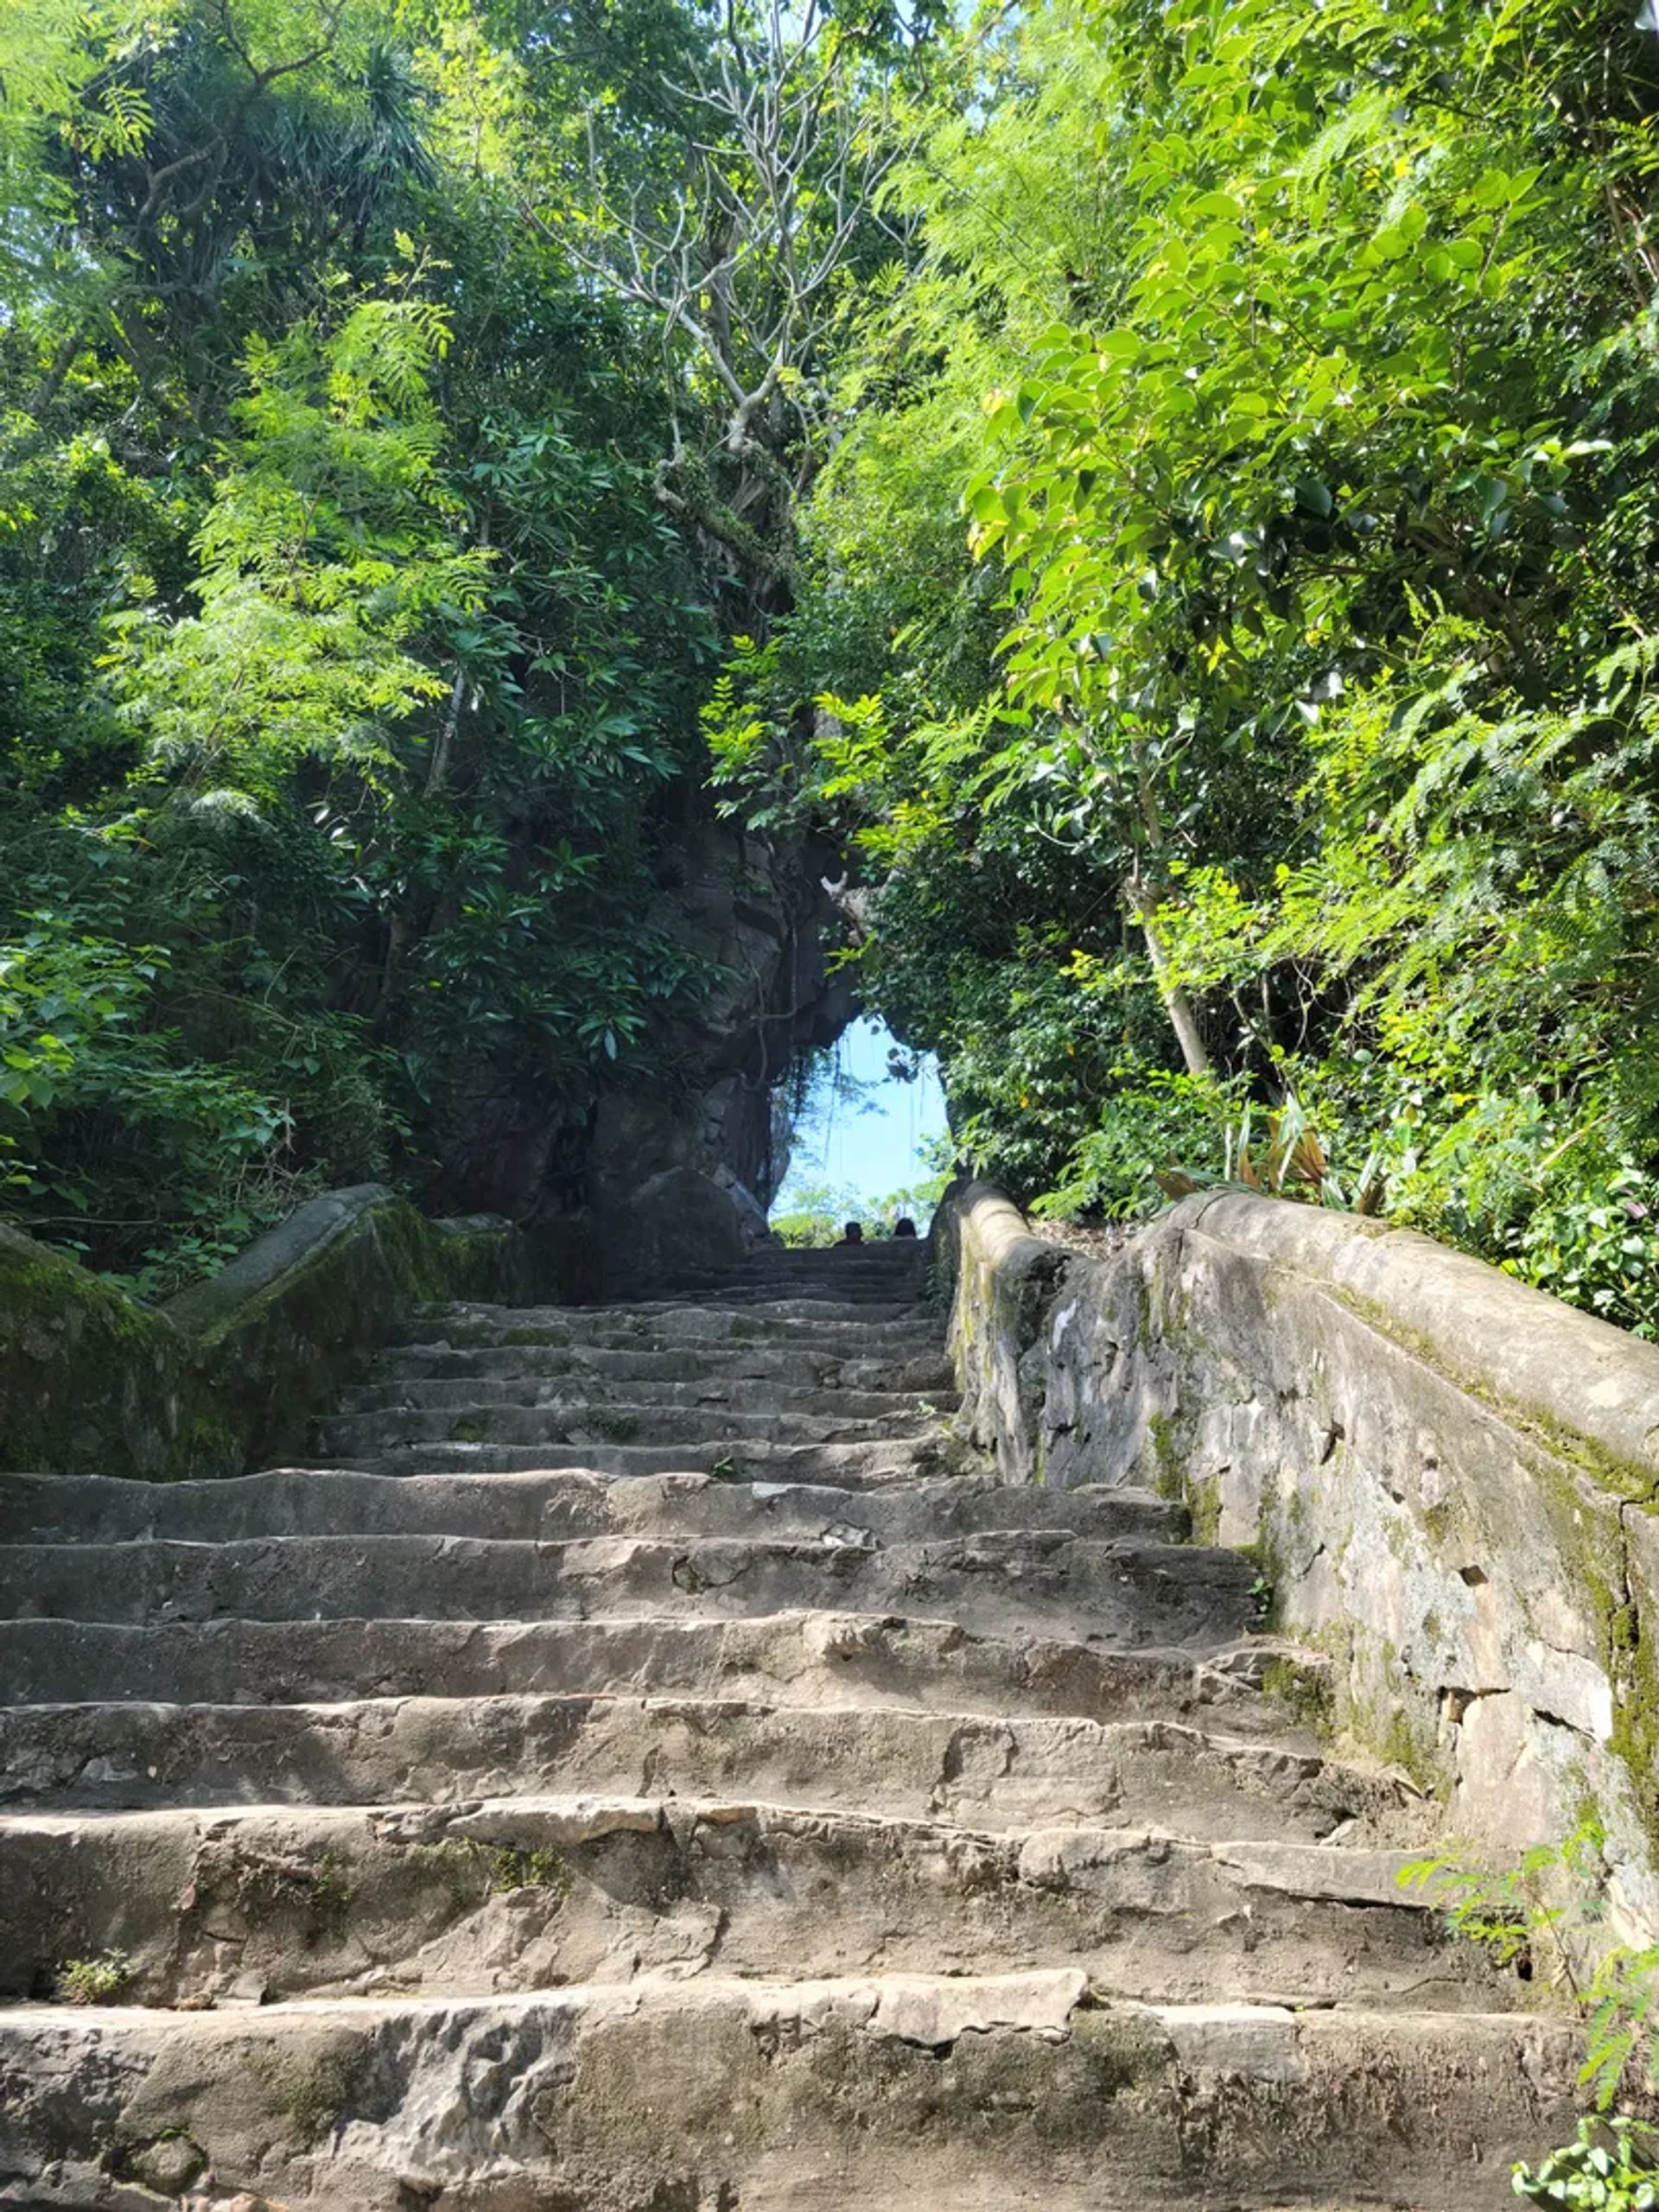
(1574, 1379)
(1450, 1480)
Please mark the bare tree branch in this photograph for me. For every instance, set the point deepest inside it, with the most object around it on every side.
(743, 260)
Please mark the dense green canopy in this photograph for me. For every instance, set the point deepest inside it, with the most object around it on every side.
(1268, 788)
(1173, 486)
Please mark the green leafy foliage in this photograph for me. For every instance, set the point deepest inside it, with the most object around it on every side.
(1610, 2165)
(98, 1110)
(1281, 1153)
(96, 1980)
(329, 554)
(1172, 486)
(1291, 375)
(1551, 1912)
(349, 665)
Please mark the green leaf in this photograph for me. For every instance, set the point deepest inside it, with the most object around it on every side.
(1118, 346)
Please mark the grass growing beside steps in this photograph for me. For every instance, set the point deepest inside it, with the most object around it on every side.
(95, 1981)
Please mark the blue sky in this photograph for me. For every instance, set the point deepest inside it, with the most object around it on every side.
(874, 1145)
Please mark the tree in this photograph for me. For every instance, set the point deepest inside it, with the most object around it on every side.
(1315, 460)
(355, 662)
(728, 181)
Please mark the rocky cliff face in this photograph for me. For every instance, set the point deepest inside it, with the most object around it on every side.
(680, 1174)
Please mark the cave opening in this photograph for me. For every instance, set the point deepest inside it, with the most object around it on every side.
(867, 1137)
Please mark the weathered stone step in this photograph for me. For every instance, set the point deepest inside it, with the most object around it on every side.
(830, 1307)
(897, 1255)
(898, 1294)
(929, 1371)
(848, 1274)
(905, 1296)
(917, 1282)
(661, 1328)
(753, 1459)
(534, 1893)
(888, 2093)
(1001, 1580)
(905, 1264)
(989, 1769)
(307, 1501)
(587, 1421)
(746, 1395)
(799, 1658)
(859, 1302)
(905, 1260)
(808, 1291)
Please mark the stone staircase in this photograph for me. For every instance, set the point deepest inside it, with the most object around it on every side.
(640, 1768)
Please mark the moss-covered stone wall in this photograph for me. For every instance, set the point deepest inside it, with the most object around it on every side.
(228, 1375)
(1452, 1481)
(90, 1380)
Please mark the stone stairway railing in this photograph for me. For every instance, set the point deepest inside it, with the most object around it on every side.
(1451, 1481)
(228, 1375)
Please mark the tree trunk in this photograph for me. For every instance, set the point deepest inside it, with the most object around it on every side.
(1177, 1005)
(438, 768)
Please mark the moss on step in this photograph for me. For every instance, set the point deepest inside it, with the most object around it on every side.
(313, 2092)
(472, 1870)
(1304, 1689)
(456, 1866)
(480, 1336)
(1204, 1503)
(169, 2163)
(512, 1867)
(831, 2080)
(263, 1886)
(1168, 1457)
